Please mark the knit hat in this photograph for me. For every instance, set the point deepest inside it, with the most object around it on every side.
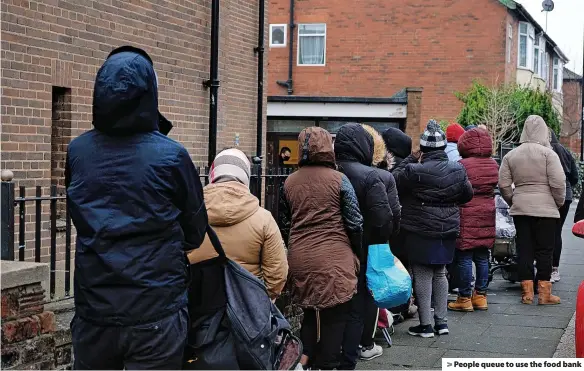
(454, 132)
(433, 137)
(230, 165)
(469, 127)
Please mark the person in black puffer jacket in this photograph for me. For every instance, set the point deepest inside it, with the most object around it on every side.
(354, 148)
(431, 189)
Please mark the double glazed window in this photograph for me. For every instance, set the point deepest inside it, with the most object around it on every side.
(312, 44)
(526, 45)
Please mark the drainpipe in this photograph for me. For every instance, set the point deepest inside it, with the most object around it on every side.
(288, 83)
(260, 52)
(213, 82)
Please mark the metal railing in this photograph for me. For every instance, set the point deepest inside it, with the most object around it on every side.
(21, 228)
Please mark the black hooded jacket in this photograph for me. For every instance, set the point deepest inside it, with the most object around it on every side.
(136, 200)
(354, 155)
(568, 164)
(430, 193)
(398, 143)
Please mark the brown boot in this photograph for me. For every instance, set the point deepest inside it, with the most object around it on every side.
(545, 294)
(462, 304)
(479, 301)
(527, 292)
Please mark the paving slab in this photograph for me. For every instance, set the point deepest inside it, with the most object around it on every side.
(541, 310)
(518, 320)
(404, 355)
(515, 332)
(485, 343)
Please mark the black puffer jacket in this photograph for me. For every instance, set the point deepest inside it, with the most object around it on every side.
(392, 197)
(398, 144)
(430, 193)
(354, 155)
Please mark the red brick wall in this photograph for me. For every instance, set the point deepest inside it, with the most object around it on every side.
(375, 48)
(64, 42)
(572, 92)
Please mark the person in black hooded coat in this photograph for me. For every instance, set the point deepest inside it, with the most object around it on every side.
(354, 148)
(431, 189)
(571, 170)
(136, 201)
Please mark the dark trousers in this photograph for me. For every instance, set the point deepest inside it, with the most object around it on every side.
(535, 241)
(361, 323)
(463, 263)
(326, 353)
(153, 346)
(564, 210)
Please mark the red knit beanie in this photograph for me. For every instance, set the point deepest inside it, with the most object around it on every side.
(454, 132)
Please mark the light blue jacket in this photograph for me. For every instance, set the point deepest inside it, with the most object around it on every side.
(452, 151)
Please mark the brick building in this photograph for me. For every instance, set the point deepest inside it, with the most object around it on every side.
(571, 127)
(52, 50)
(369, 49)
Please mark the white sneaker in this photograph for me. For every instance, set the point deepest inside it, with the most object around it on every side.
(371, 353)
(555, 276)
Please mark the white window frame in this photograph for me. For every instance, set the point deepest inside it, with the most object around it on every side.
(537, 52)
(285, 35)
(509, 42)
(559, 67)
(311, 35)
(530, 40)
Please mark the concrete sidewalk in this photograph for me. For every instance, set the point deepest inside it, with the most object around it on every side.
(508, 329)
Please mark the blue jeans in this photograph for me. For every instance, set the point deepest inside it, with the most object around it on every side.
(464, 260)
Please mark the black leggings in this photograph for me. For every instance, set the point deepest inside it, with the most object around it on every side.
(324, 354)
(535, 241)
(564, 210)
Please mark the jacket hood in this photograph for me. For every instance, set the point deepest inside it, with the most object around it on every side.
(315, 146)
(125, 95)
(229, 203)
(379, 151)
(553, 137)
(475, 143)
(354, 143)
(565, 155)
(535, 130)
(397, 142)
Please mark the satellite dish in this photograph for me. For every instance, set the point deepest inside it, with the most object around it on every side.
(548, 5)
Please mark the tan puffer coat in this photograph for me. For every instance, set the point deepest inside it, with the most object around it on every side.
(535, 170)
(249, 234)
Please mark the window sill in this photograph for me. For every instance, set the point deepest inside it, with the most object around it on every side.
(277, 45)
(311, 65)
(525, 69)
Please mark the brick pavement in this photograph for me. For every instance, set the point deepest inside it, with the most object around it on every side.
(507, 330)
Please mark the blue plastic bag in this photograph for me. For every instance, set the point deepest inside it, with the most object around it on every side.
(388, 280)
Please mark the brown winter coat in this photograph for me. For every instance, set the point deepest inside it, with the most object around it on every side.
(535, 170)
(248, 233)
(323, 267)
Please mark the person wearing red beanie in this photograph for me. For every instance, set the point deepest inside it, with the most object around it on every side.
(453, 133)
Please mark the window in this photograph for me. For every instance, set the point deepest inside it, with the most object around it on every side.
(536, 57)
(526, 43)
(312, 44)
(557, 76)
(509, 43)
(278, 35)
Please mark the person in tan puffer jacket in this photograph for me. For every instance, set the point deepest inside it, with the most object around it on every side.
(540, 188)
(249, 234)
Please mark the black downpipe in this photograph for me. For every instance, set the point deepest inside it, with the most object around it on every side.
(213, 83)
(260, 51)
(288, 83)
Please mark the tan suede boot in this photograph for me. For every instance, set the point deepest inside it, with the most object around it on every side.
(545, 296)
(479, 301)
(462, 304)
(527, 292)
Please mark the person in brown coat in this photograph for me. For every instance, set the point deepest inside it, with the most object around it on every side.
(248, 233)
(540, 188)
(321, 213)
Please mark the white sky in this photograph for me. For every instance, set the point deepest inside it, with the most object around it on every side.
(565, 26)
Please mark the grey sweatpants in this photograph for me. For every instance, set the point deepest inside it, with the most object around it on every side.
(430, 282)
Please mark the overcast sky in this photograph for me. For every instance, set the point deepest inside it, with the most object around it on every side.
(565, 26)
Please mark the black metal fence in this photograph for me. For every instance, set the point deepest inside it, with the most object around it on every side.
(26, 221)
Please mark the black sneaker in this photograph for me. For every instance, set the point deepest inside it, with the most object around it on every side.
(423, 331)
(441, 329)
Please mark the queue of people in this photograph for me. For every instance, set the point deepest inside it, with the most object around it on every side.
(142, 216)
